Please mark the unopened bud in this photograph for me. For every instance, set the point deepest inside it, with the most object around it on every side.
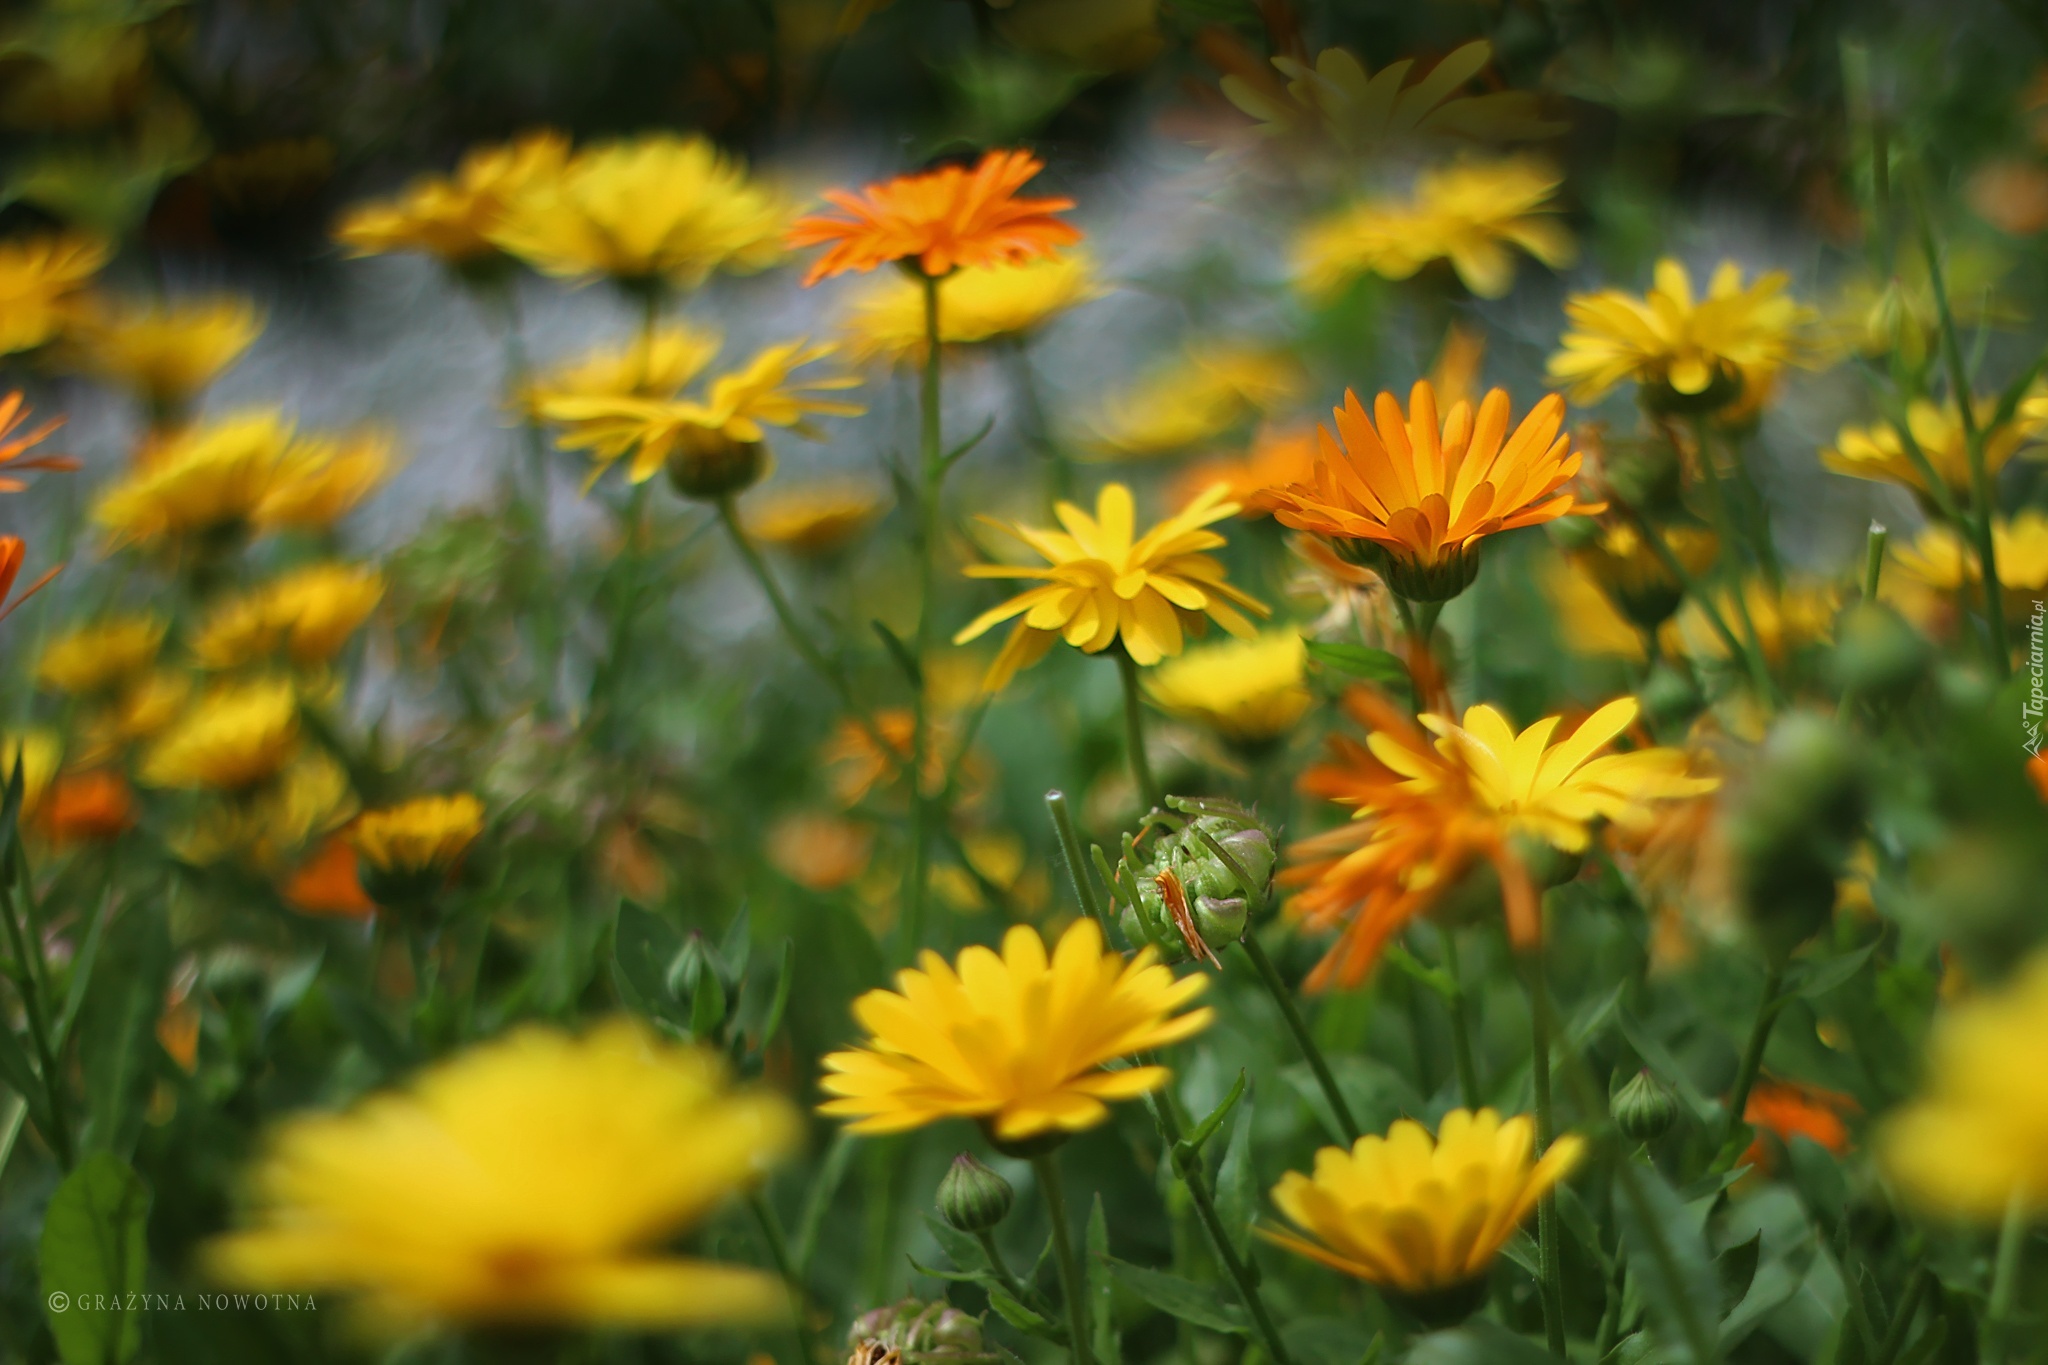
(1876, 653)
(972, 1197)
(1645, 1108)
(708, 465)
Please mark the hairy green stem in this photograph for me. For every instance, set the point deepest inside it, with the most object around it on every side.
(799, 1297)
(1046, 1164)
(934, 474)
(1461, 1030)
(1134, 732)
(1752, 1062)
(1269, 976)
(1077, 866)
(1547, 1225)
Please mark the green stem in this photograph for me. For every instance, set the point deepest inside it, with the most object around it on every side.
(1724, 527)
(1654, 538)
(1269, 975)
(1547, 1226)
(1046, 1164)
(799, 1297)
(1134, 732)
(934, 474)
(34, 993)
(1902, 1317)
(1017, 1289)
(1077, 866)
(1873, 570)
(1752, 1062)
(1461, 1031)
(2005, 1266)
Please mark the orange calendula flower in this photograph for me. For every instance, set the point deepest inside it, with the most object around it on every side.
(85, 807)
(943, 219)
(1789, 1109)
(1412, 496)
(326, 883)
(1101, 584)
(1279, 456)
(1428, 811)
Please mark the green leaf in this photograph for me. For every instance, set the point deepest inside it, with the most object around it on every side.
(1360, 661)
(960, 1247)
(1206, 1129)
(1820, 1180)
(1183, 1299)
(779, 1002)
(1815, 979)
(1736, 1269)
(1237, 1191)
(1326, 1341)
(117, 1047)
(707, 1002)
(1773, 1286)
(643, 947)
(1478, 1343)
(1018, 1316)
(980, 1277)
(736, 949)
(92, 1259)
(1101, 1290)
(1686, 1291)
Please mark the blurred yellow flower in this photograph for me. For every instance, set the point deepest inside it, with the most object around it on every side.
(271, 826)
(815, 519)
(307, 615)
(327, 476)
(450, 216)
(39, 282)
(1587, 621)
(1413, 495)
(1415, 1214)
(1940, 559)
(107, 655)
(1468, 214)
(426, 834)
(164, 351)
(40, 754)
(656, 363)
(654, 208)
(1197, 396)
(976, 303)
(1245, 690)
(534, 1179)
(232, 739)
(1633, 575)
(1101, 585)
(1714, 351)
(1015, 1041)
(141, 710)
(1877, 452)
(1787, 619)
(1976, 1138)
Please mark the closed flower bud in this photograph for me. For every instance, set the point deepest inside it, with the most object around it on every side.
(954, 1330)
(1188, 895)
(972, 1197)
(1669, 696)
(1645, 1108)
(709, 465)
(1876, 653)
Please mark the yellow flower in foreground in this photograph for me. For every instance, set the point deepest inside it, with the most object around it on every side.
(814, 519)
(1415, 1214)
(976, 303)
(448, 216)
(166, 352)
(1738, 337)
(39, 282)
(1468, 214)
(231, 740)
(101, 657)
(1977, 1136)
(532, 1179)
(1197, 396)
(426, 834)
(1412, 497)
(1246, 690)
(656, 363)
(656, 207)
(1014, 1041)
(1877, 452)
(1102, 586)
(308, 614)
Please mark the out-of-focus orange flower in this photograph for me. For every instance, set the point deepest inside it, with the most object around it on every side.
(2037, 770)
(14, 442)
(13, 551)
(1279, 456)
(2011, 195)
(1789, 1109)
(325, 884)
(945, 218)
(177, 1027)
(86, 807)
(859, 764)
(819, 850)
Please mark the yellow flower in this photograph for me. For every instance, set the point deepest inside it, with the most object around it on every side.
(270, 827)
(449, 217)
(1014, 1041)
(1412, 497)
(426, 834)
(1633, 575)
(1877, 452)
(307, 614)
(39, 282)
(976, 303)
(656, 363)
(1415, 1214)
(107, 655)
(1940, 559)
(1468, 214)
(704, 435)
(143, 709)
(1786, 620)
(815, 519)
(531, 1179)
(1588, 623)
(1976, 1138)
(1101, 586)
(1732, 343)
(656, 207)
(235, 738)
(1196, 397)
(166, 352)
(1246, 690)
(325, 477)
(40, 754)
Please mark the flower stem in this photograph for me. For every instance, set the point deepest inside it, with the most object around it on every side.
(27, 948)
(1547, 1227)
(1269, 975)
(934, 476)
(1001, 1267)
(1046, 1164)
(1724, 528)
(2005, 1271)
(1134, 732)
(1461, 1031)
(1077, 866)
(799, 1297)
(1752, 1063)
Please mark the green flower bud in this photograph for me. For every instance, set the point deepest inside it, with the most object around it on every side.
(707, 465)
(1876, 653)
(1645, 1108)
(972, 1197)
(1669, 696)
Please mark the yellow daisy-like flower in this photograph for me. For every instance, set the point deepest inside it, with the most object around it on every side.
(235, 738)
(976, 303)
(1786, 620)
(656, 363)
(1412, 497)
(1877, 452)
(659, 207)
(306, 615)
(1245, 690)
(269, 827)
(141, 710)
(1417, 1215)
(426, 834)
(704, 437)
(1197, 396)
(1102, 586)
(1468, 214)
(534, 1179)
(1941, 560)
(325, 477)
(102, 657)
(1713, 352)
(165, 352)
(815, 519)
(449, 217)
(1017, 1042)
(40, 278)
(1976, 1138)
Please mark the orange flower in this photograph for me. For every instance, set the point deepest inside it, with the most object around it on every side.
(945, 218)
(1413, 497)
(13, 550)
(325, 884)
(817, 850)
(86, 807)
(14, 442)
(1789, 1109)
(1279, 456)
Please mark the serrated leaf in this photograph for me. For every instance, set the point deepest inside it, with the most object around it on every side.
(92, 1257)
(1179, 1298)
(1360, 661)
